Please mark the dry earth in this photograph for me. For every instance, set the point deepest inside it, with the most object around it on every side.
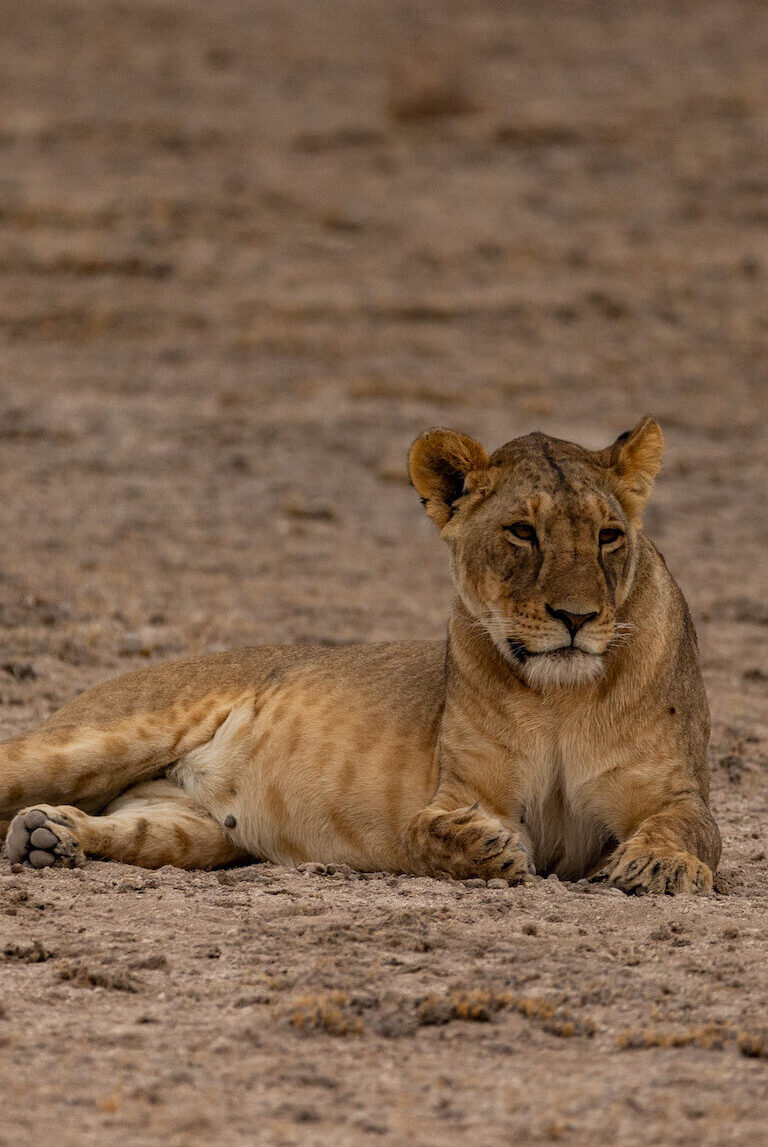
(248, 250)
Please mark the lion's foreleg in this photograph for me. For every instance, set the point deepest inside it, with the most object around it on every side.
(675, 850)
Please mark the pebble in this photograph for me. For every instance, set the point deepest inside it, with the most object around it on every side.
(474, 882)
(498, 882)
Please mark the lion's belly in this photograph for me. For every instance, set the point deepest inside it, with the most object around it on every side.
(330, 803)
(317, 772)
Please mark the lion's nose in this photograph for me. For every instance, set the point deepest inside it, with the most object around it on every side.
(572, 621)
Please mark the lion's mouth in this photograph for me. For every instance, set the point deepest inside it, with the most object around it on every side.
(567, 667)
(563, 652)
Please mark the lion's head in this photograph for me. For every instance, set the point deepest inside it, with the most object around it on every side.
(544, 540)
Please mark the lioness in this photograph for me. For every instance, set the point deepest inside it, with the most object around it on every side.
(561, 728)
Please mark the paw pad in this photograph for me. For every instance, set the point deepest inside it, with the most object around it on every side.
(40, 838)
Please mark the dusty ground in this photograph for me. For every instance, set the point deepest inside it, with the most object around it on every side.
(240, 268)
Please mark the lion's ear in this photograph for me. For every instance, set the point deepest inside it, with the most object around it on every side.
(635, 458)
(441, 464)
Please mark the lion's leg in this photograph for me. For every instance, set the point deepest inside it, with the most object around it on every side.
(675, 850)
(151, 825)
(465, 842)
(90, 764)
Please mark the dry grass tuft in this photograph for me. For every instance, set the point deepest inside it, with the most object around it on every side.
(710, 1037)
(754, 1044)
(327, 1012)
(480, 1006)
(84, 977)
(33, 953)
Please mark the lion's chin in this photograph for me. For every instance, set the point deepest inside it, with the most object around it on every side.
(561, 669)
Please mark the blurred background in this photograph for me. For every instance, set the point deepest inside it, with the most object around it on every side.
(249, 250)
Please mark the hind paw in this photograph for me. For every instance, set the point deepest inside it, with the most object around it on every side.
(43, 836)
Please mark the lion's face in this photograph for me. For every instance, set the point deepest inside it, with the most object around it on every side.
(543, 536)
(543, 562)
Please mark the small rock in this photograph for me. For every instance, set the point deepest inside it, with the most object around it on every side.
(497, 882)
(341, 870)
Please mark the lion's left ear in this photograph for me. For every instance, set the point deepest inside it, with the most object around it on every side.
(441, 464)
(635, 458)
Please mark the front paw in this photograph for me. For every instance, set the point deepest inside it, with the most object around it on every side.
(512, 863)
(466, 843)
(637, 867)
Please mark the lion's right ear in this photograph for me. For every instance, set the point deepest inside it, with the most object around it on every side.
(442, 464)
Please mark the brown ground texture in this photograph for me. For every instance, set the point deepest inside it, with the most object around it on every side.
(247, 252)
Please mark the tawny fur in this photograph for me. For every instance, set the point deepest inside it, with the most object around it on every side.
(561, 728)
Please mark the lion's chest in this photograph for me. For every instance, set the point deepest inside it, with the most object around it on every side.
(555, 775)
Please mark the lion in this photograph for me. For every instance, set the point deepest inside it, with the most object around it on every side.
(560, 728)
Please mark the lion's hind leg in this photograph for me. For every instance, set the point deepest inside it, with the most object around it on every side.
(88, 764)
(150, 825)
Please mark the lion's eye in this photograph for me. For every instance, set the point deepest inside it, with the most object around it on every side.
(610, 535)
(522, 530)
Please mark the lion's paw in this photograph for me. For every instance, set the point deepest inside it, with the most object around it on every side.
(502, 855)
(43, 836)
(636, 868)
(467, 842)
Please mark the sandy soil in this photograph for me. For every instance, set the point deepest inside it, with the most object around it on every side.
(248, 251)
